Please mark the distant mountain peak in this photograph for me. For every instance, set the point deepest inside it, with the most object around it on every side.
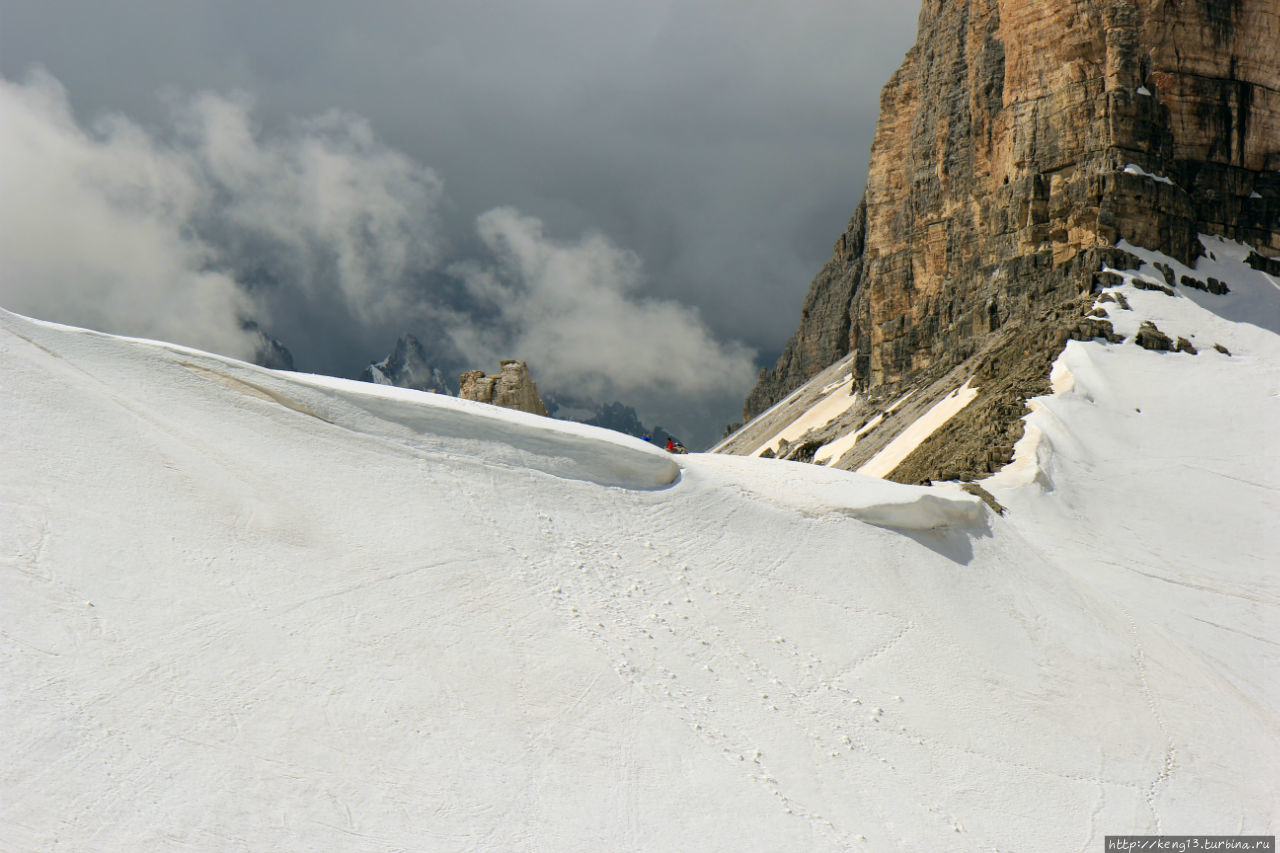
(268, 352)
(408, 366)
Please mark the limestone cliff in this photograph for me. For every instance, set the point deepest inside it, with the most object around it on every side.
(513, 388)
(1018, 144)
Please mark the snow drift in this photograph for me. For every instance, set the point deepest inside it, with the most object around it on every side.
(252, 610)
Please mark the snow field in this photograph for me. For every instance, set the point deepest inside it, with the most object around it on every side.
(247, 610)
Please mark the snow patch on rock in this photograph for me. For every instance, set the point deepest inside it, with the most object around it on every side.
(838, 399)
(1135, 169)
(883, 463)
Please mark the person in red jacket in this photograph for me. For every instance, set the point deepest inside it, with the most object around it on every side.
(671, 444)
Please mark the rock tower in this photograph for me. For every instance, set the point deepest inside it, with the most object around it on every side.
(512, 388)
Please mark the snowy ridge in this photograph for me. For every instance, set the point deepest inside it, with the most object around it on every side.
(424, 423)
(253, 610)
(817, 491)
(1226, 384)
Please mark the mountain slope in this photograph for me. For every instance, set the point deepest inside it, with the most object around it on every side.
(247, 609)
(1017, 147)
(962, 421)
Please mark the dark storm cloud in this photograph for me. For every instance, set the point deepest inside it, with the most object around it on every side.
(318, 229)
(723, 143)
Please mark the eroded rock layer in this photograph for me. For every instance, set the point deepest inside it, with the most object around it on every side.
(512, 388)
(1020, 140)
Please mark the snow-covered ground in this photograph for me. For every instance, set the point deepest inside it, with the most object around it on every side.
(265, 611)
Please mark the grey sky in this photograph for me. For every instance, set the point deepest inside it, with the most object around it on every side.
(724, 144)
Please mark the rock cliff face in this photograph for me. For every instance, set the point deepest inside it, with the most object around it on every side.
(1018, 145)
(513, 388)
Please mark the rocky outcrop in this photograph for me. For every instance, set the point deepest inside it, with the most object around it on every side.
(513, 388)
(1019, 142)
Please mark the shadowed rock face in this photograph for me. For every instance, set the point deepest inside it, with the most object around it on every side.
(408, 366)
(1020, 141)
(513, 388)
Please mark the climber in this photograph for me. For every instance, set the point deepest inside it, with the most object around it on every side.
(671, 444)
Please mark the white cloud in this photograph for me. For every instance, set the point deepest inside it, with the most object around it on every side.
(92, 227)
(575, 311)
(181, 239)
(352, 215)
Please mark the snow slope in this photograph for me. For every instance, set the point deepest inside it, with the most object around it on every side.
(247, 610)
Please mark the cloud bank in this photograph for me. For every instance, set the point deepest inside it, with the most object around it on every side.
(576, 310)
(93, 228)
(185, 238)
(330, 240)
